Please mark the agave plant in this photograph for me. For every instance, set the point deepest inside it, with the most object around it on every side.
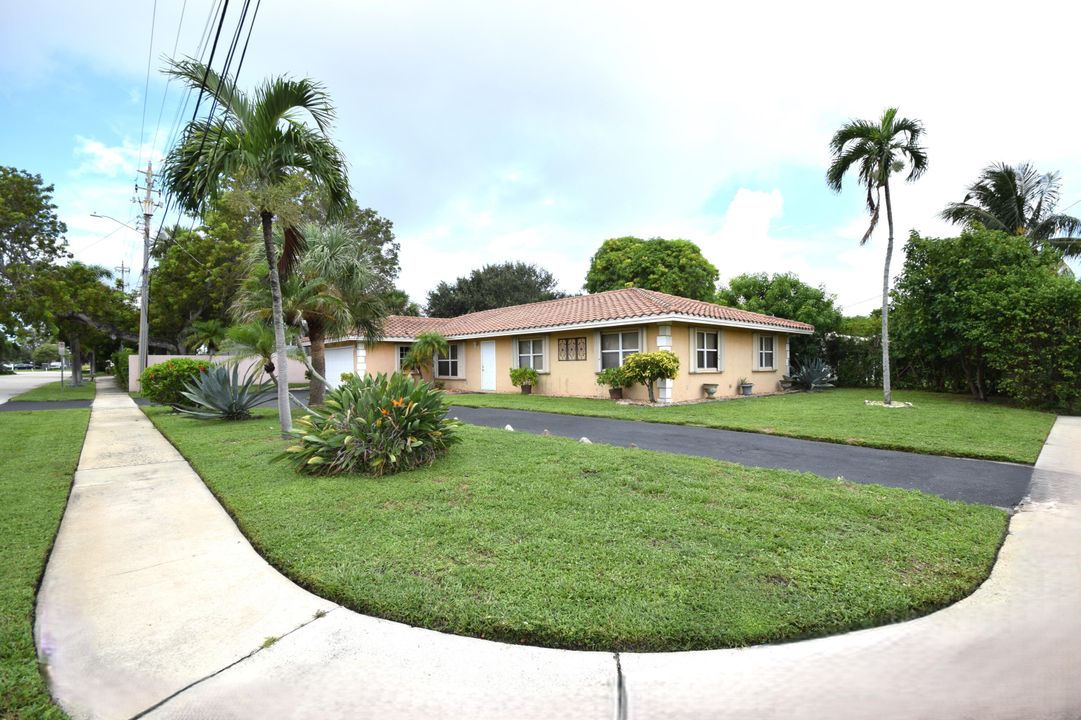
(812, 374)
(219, 394)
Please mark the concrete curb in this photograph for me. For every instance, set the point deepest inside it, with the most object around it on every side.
(154, 605)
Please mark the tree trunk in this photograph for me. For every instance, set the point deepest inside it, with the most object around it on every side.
(887, 394)
(76, 362)
(316, 387)
(285, 417)
(649, 391)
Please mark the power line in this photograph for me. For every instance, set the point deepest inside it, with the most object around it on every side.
(146, 87)
(169, 80)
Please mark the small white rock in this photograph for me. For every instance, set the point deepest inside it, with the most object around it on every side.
(586, 440)
(546, 433)
(508, 428)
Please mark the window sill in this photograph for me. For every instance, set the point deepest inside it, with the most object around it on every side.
(764, 370)
(707, 372)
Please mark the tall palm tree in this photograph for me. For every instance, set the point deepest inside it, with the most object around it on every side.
(330, 290)
(256, 143)
(1021, 201)
(877, 150)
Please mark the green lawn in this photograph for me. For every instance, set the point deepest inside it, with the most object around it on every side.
(38, 455)
(52, 391)
(546, 541)
(938, 424)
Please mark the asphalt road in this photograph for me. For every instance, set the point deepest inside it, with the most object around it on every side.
(973, 481)
(23, 380)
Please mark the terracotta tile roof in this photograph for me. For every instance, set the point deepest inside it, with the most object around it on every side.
(628, 304)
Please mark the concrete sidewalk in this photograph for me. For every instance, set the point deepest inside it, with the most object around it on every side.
(154, 605)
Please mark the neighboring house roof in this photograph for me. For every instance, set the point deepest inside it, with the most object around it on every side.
(613, 307)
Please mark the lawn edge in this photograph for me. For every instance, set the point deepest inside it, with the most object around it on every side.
(914, 613)
(20, 399)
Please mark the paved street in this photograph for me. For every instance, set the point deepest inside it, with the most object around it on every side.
(12, 385)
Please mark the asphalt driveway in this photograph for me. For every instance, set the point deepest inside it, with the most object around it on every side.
(974, 481)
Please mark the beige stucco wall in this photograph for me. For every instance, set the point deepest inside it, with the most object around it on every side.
(579, 377)
(296, 367)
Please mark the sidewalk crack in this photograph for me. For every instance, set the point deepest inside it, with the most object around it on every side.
(318, 615)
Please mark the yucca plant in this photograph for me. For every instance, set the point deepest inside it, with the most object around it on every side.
(219, 394)
(812, 374)
(377, 425)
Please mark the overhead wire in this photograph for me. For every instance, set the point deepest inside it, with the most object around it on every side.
(146, 87)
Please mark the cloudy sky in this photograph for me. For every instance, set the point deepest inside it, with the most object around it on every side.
(491, 131)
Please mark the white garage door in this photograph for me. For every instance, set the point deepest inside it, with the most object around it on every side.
(339, 360)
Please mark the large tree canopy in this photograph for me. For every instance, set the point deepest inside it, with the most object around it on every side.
(676, 267)
(984, 312)
(493, 286)
(198, 272)
(785, 295)
(1019, 201)
(30, 231)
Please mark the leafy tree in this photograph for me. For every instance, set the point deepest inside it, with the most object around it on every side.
(76, 302)
(877, 150)
(30, 231)
(397, 302)
(984, 312)
(785, 295)
(676, 267)
(45, 353)
(1019, 201)
(649, 367)
(257, 143)
(493, 286)
(31, 234)
(198, 273)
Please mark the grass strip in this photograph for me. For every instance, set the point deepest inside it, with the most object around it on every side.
(39, 452)
(52, 392)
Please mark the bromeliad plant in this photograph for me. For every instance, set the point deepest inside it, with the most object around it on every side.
(377, 425)
(219, 394)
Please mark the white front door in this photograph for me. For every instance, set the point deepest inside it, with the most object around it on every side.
(487, 365)
(339, 360)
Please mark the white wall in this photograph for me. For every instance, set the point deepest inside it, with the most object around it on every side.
(296, 368)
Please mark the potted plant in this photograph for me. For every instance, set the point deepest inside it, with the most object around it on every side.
(616, 380)
(743, 387)
(524, 377)
(710, 389)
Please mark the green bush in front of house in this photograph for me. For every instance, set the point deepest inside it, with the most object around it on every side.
(523, 376)
(648, 368)
(165, 382)
(120, 367)
(376, 425)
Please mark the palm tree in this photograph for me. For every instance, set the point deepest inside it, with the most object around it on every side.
(206, 333)
(1020, 201)
(423, 351)
(878, 150)
(331, 290)
(255, 144)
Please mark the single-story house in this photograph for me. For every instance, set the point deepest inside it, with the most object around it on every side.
(568, 341)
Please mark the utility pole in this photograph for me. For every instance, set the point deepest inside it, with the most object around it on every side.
(123, 270)
(148, 214)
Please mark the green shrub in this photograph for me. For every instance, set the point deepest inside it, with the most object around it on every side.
(648, 368)
(219, 394)
(120, 367)
(614, 378)
(523, 376)
(164, 383)
(5, 370)
(377, 425)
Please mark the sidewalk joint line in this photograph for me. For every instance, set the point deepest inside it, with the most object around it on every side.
(319, 615)
(621, 690)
